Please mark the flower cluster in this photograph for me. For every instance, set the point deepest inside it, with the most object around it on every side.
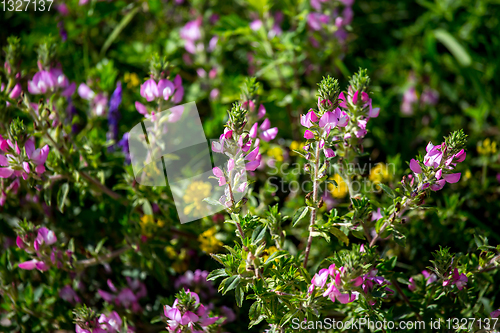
(319, 18)
(429, 279)
(191, 33)
(339, 285)
(49, 82)
(188, 314)
(459, 280)
(16, 163)
(127, 297)
(435, 169)
(242, 146)
(196, 281)
(41, 246)
(163, 90)
(105, 324)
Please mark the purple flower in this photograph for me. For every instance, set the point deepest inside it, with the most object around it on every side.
(495, 314)
(149, 90)
(414, 166)
(315, 21)
(308, 134)
(308, 119)
(85, 92)
(42, 82)
(69, 295)
(114, 114)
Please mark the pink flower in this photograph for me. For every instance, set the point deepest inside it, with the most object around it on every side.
(412, 286)
(149, 90)
(85, 92)
(219, 174)
(45, 236)
(438, 185)
(32, 264)
(495, 314)
(308, 134)
(329, 152)
(42, 82)
(414, 166)
(269, 134)
(252, 166)
(452, 177)
(16, 91)
(434, 155)
(69, 295)
(262, 111)
(377, 215)
(329, 120)
(308, 119)
(253, 131)
(165, 88)
(191, 31)
(256, 25)
(315, 21)
(343, 119)
(141, 109)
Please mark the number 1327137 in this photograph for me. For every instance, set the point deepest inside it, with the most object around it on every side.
(25, 5)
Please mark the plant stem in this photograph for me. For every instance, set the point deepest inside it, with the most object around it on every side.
(407, 301)
(93, 261)
(313, 209)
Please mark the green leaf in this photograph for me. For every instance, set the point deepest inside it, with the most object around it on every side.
(118, 29)
(340, 235)
(453, 46)
(299, 215)
(147, 208)
(274, 256)
(387, 190)
(100, 245)
(258, 234)
(212, 202)
(399, 238)
(221, 272)
(255, 314)
(47, 196)
(231, 283)
(239, 295)
(286, 318)
(62, 194)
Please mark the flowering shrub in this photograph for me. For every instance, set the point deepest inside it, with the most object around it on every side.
(335, 194)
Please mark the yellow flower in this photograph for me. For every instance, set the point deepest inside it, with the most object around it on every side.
(179, 265)
(268, 253)
(195, 193)
(276, 153)
(208, 242)
(148, 225)
(379, 174)
(296, 145)
(487, 147)
(131, 79)
(467, 175)
(341, 190)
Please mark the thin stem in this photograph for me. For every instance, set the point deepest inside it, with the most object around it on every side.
(313, 209)
(386, 224)
(91, 179)
(103, 187)
(407, 301)
(93, 261)
(233, 204)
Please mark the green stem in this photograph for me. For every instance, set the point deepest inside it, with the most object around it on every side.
(313, 209)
